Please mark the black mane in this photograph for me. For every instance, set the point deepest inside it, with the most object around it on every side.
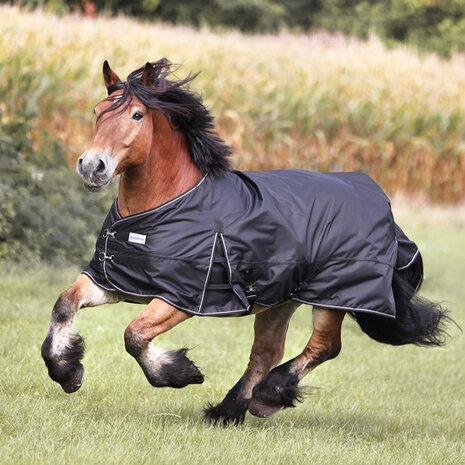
(183, 109)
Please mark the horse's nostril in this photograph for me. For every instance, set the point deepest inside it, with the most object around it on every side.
(101, 167)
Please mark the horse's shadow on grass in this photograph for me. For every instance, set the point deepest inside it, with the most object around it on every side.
(362, 424)
(316, 419)
(373, 426)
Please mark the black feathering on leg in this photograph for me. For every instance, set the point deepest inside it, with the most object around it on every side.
(278, 390)
(231, 410)
(225, 413)
(66, 370)
(179, 373)
(184, 371)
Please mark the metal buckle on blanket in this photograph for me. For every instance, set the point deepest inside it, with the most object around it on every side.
(107, 233)
(296, 290)
(251, 291)
(251, 288)
(102, 256)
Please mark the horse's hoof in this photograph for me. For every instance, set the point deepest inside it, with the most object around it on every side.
(75, 382)
(261, 410)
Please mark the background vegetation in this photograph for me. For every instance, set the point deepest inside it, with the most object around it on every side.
(44, 211)
(434, 25)
(377, 404)
(319, 101)
(315, 101)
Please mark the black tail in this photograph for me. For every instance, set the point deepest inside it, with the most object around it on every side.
(418, 321)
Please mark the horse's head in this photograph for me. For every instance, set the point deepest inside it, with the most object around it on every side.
(148, 112)
(123, 133)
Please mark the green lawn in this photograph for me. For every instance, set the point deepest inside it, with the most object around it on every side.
(375, 404)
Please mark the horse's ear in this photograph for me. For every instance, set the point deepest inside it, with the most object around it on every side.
(109, 76)
(148, 75)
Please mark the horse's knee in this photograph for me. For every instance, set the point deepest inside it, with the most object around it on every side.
(133, 340)
(65, 306)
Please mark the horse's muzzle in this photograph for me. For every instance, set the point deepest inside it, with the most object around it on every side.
(95, 170)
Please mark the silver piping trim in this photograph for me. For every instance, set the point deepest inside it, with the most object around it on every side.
(179, 307)
(340, 307)
(96, 283)
(230, 271)
(163, 205)
(105, 262)
(208, 272)
(274, 304)
(410, 262)
(118, 214)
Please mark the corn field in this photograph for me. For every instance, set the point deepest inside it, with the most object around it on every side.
(321, 102)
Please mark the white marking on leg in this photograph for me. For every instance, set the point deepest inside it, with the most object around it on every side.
(63, 334)
(62, 337)
(154, 358)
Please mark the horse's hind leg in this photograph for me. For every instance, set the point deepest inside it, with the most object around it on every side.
(267, 351)
(279, 389)
(63, 348)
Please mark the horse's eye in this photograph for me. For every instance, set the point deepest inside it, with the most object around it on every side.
(137, 116)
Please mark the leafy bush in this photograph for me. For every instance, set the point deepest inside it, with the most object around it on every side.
(45, 213)
(436, 26)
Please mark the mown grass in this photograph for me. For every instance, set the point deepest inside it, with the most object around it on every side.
(318, 101)
(375, 404)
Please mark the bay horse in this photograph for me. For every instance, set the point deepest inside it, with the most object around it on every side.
(188, 236)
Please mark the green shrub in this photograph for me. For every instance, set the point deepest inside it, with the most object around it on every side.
(45, 213)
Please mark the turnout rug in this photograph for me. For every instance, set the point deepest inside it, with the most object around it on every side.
(324, 239)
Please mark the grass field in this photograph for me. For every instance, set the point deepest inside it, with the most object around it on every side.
(319, 102)
(308, 101)
(375, 404)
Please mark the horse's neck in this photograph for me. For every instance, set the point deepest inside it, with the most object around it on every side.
(167, 172)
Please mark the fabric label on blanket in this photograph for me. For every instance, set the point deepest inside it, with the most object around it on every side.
(137, 238)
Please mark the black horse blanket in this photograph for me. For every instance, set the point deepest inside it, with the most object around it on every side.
(240, 238)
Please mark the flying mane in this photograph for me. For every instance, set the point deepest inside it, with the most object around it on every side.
(183, 109)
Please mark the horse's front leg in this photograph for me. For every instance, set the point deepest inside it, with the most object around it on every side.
(162, 368)
(63, 348)
(267, 350)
